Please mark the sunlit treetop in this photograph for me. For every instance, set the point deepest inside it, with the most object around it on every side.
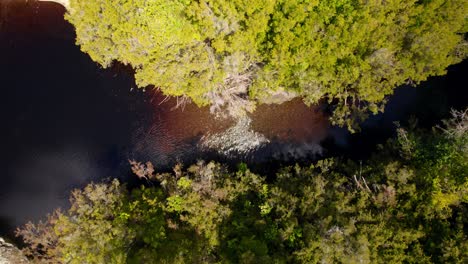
(232, 53)
(408, 203)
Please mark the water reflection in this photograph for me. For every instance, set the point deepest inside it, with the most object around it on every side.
(174, 135)
(70, 122)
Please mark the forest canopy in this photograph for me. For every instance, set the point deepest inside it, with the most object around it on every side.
(232, 54)
(406, 204)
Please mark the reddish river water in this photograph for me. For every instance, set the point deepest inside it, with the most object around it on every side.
(70, 121)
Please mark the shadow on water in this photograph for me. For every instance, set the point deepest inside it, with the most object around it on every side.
(69, 122)
(429, 103)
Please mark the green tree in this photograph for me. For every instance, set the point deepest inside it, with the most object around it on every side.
(95, 225)
(231, 54)
(406, 204)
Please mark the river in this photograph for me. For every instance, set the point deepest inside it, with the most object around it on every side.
(68, 121)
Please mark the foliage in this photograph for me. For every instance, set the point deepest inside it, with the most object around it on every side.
(406, 204)
(217, 51)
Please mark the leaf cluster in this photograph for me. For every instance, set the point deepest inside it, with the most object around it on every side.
(217, 52)
(406, 204)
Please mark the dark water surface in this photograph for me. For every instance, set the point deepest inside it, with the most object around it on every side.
(428, 103)
(68, 122)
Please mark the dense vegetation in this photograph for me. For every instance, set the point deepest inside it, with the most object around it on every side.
(407, 203)
(231, 54)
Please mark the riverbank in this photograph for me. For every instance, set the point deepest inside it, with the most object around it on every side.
(10, 254)
(71, 122)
